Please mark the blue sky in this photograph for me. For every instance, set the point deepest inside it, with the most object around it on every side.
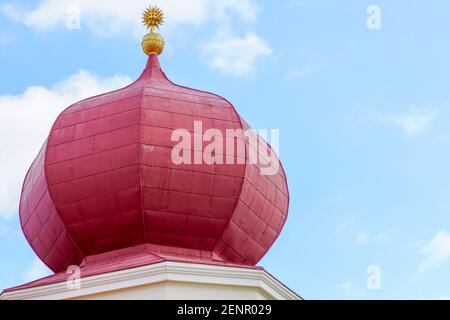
(363, 116)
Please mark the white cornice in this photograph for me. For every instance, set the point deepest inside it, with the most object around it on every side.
(167, 271)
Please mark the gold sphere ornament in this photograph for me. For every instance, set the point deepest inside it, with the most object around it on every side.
(153, 43)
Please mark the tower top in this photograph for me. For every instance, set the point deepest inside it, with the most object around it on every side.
(108, 187)
(153, 43)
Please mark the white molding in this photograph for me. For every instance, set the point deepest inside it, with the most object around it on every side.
(161, 273)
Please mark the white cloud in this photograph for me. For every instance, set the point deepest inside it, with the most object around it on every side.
(106, 18)
(232, 55)
(299, 73)
(37, 270)
(440, 139)
(4, 230)
(349, 227)
(437, 250)
(305, 71)
(345, 225)
(411, 122)
(9, 231)
(246, 9)
(364, 237)
(236, 56)
(26, 121)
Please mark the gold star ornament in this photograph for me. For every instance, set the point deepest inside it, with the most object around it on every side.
(153, 17)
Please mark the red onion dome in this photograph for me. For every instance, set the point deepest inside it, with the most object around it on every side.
(106, 180)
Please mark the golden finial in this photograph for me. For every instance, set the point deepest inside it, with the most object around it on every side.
(153, 43)
(153, 17)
